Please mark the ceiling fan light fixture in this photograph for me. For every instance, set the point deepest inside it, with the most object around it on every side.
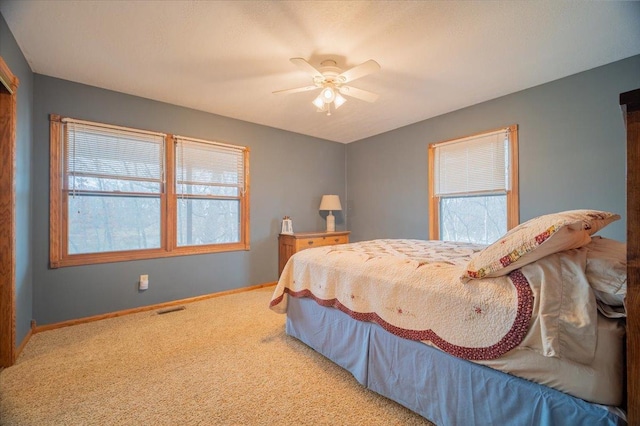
(332, 81)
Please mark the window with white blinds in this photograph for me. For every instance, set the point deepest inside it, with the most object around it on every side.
(210, 186)
(114, 180)
(119, 193)
(473, 186)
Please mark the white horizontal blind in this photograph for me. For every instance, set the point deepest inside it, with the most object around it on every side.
(104, 152)
(201, 166)
(474, 165)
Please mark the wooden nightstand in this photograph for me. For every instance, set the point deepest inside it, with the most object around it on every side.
(289, 244)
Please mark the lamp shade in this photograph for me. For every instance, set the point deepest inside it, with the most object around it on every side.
(330, 202)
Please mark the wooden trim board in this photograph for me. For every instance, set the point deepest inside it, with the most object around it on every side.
(630, 102)
(8, 112)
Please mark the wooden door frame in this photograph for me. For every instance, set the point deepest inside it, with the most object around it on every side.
(8, 101)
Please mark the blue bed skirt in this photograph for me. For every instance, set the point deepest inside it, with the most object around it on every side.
(442, 388)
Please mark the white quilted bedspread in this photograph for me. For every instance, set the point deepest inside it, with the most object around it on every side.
(413, 289)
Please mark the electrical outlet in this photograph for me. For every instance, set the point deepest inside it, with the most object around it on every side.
(143, 284)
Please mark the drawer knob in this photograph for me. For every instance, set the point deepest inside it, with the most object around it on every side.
(336, 239)
(310, 242)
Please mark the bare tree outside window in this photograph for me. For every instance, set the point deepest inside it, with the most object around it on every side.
(479, 219)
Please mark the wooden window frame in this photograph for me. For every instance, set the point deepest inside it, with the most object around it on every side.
(513, 198)
(58, 208)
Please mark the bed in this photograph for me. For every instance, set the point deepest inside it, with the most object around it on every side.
(529, 330)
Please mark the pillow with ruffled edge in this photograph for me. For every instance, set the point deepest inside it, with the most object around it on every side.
(535, 239)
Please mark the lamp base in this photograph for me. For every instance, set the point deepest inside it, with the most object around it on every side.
(331, 222)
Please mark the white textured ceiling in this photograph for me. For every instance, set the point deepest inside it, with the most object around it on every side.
(227, 57)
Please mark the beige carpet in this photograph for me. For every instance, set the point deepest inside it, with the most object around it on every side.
(223, 361)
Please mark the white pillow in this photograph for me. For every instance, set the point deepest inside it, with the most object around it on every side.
(607, 270)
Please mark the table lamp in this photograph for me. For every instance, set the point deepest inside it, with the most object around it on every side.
(331, 203)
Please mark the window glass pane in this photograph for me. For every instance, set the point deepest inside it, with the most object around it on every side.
(109, 223)
(206, 221)
(213, 190)
(481, 219)
(89, 183)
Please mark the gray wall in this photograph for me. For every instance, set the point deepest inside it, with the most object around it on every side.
(12, 55)
(571, 154)
(289, 174)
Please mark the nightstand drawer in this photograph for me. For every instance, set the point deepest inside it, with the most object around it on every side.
(338, 239)
(305, 243)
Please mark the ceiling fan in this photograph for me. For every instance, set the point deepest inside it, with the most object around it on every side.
(333, 83)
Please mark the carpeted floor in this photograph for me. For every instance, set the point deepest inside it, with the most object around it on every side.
(222, 361)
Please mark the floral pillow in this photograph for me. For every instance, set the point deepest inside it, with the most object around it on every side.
(536, 239)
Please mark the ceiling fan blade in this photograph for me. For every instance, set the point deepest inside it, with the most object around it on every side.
(295, 90)
(354, 92)
(358, 71)
(307, 67)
